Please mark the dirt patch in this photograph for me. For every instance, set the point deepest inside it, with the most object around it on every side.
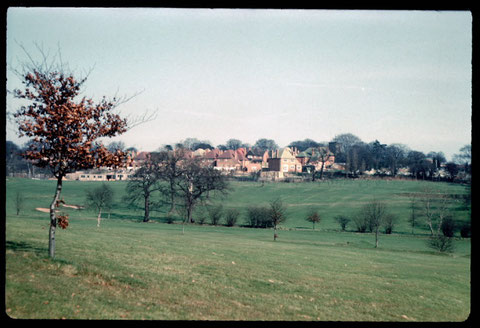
(46, 210)
(73, 206)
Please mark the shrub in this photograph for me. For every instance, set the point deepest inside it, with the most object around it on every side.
(215, 213)
(441, 243)
(448, 227)
(343, 221)
(231, 217)
(201, 215)
(465, 230)
(258, 217)
(361, 223)
(389, 223)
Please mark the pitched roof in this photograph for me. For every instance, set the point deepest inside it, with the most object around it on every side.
(212, 154)
(285, 153)
(227, 154)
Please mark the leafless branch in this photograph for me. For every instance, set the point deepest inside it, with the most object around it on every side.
(146, 116)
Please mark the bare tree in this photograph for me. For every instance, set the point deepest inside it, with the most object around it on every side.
(144, 183)
(375, 214)
(100, 198)
(412, 219)
(437, 217)
(116, 145)
(277, 215)
(395, 154)
(435, 209)
(19, 201)
(322, 155)
(195, 184)
(343, 221)
(170, 169)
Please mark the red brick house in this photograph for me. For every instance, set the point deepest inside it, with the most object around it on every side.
(227, 161)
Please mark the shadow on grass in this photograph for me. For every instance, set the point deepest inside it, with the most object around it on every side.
(25, 247)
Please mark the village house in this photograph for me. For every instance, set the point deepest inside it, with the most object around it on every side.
(258, 158)
(212, 155)
(227, 161)
(284, 160)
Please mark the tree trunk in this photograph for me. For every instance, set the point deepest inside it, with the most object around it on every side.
(172, 199)
(99, 217)
(376, 237)
(146, 217)
(189, 213)
(53, 218)
(275, 233)
(430, 225)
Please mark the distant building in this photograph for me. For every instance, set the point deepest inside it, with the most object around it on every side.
(283, 160)
(103, 174)
(227, 161)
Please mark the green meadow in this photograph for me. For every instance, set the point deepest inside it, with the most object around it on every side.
(127, 269)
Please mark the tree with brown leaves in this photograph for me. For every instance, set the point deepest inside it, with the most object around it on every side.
(65, 130)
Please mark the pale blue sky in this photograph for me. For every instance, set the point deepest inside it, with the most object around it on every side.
(396, 76)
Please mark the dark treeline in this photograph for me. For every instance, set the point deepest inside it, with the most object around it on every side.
(16, 164)
(357, 156)
(360, 157)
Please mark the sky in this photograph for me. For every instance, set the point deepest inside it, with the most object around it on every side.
(216, 74)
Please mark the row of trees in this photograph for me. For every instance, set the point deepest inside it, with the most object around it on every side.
(171, 176)
(100, 199)
(360, 157)
(429, 208)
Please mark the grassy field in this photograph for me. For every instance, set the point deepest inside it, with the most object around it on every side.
(131, 270)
